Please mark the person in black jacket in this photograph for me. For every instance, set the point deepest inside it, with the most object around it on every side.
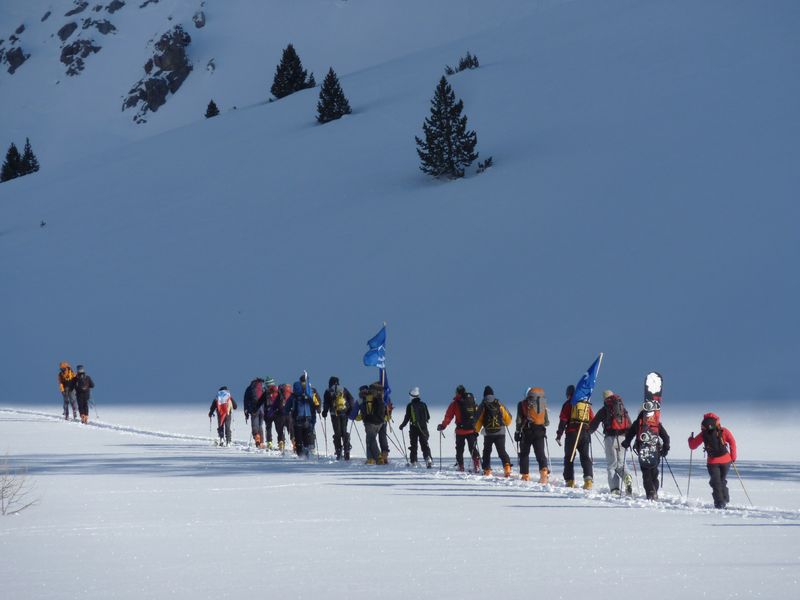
(83, 385)
(648, 426)
(417, 414)
(303, 410)
(372, 411)
(254, 409)
(338, 401)
(532, 422)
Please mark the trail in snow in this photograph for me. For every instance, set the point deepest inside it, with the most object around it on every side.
(666, 501)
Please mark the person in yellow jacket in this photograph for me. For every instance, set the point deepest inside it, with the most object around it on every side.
(66, 383)
(493, 418)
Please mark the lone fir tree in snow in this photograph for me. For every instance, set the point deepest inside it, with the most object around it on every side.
(12, 166)
(30, 164)
(448, 147)
(212, 110)
(290, 77)
(332, 102)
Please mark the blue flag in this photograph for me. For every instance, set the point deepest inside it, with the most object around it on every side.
(387, 391)
(376, 355)
(585, 387)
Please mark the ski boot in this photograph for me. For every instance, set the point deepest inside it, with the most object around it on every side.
(429, 462)
(370, 461)
(587, 483)
(487, 472)
(281, 446)
(476, 465)
(570, 483)
(544, 476)
(525, 476)
(460, 467)
(506, 471)
(616, 492)
(628, 484)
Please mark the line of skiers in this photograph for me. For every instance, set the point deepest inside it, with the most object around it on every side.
(76, 391)
(294, 410)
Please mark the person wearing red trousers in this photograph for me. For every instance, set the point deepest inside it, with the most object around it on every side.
(720, 448)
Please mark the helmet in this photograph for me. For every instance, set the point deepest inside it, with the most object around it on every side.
(414, 392)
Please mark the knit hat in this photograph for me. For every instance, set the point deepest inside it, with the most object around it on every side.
(80, 369)
(607, 394)
(461, 390)
(268, 381)
(488, 391)
(333, 381)
(414, 392)
(570, 391)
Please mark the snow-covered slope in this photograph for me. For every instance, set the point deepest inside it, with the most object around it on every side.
(643, 203)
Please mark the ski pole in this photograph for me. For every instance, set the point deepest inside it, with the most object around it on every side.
(516, 448)
(325, 436)
(403, 433)
(635, 474)
(441, 435)
(394, 435)
(689, 483)
(94, 406)
(359, 438)
(547, 448)
(673, 477)
(742, 482)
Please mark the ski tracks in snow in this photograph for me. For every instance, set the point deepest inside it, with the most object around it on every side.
(666, 502)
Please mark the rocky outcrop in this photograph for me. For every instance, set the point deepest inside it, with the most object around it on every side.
(15, 58)
(67, 30)
(165, 73)
(80, 6)
(73, 54)
(104, 26)
(114, 6)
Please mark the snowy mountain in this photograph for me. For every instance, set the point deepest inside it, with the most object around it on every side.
(643, 200)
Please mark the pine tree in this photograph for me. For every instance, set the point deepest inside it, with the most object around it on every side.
(332, 102)
(290, 77)
(212, 110)
(12, 166)
(30, 164)
(448, 147)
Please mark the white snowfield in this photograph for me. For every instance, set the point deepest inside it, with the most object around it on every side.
(140, 504)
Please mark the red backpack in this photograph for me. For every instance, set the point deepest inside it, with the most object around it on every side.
(617, 419)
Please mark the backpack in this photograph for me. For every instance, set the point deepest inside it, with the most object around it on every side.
(580, 412)
(713, 443)
(82, 383)
(617, 419)
(468, 411)
(339, 403)
(650, 426)
(536, 410)
(492, 417)
(258, 391)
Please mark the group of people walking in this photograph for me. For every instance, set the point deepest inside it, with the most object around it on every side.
(76, 391)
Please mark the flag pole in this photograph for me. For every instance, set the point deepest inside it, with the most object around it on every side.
(580, 427)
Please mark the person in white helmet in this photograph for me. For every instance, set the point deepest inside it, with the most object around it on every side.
(417, 414)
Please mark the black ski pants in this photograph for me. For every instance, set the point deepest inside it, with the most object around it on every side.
(304, 436)
(83, 406)
(535, 440)
(498, 440)
(584, 451)
(420, 437)
(719, 484)
(283, 424)
(471, 440)
(650, 479)
(224, 430)
(257, 424)
(383, 438)
(341, 439)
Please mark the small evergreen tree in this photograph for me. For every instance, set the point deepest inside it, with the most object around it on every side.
(12, 166)
(332, 102)
(448, 147)
(290, 77)
(212, 110)
(30, 164)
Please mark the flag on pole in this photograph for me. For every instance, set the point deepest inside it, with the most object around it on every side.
(387, 391)
(376, 355)
(585, 387)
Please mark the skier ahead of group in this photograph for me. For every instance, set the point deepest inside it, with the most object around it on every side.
(224, 405)
(720, 447)
(83, 392)
(464, 410)
(570, 421)
(66, 385)
(493, 418)
(417, 414)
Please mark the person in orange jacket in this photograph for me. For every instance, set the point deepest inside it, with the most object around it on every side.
(493, 418)
(66, 383)
(720, 448)
(464, 410)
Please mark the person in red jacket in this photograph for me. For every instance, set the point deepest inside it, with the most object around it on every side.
(465, 411)
(720, 447)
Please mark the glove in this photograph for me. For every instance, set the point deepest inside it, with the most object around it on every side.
(246, 417)
(401, 426)
(517, 436)
(664, 450)
(324, 413)
(626, 444)
(211, 414)
(558, 439)
(440, 427)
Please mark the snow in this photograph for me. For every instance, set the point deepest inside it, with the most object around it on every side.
(643, 203)
(152, 510)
